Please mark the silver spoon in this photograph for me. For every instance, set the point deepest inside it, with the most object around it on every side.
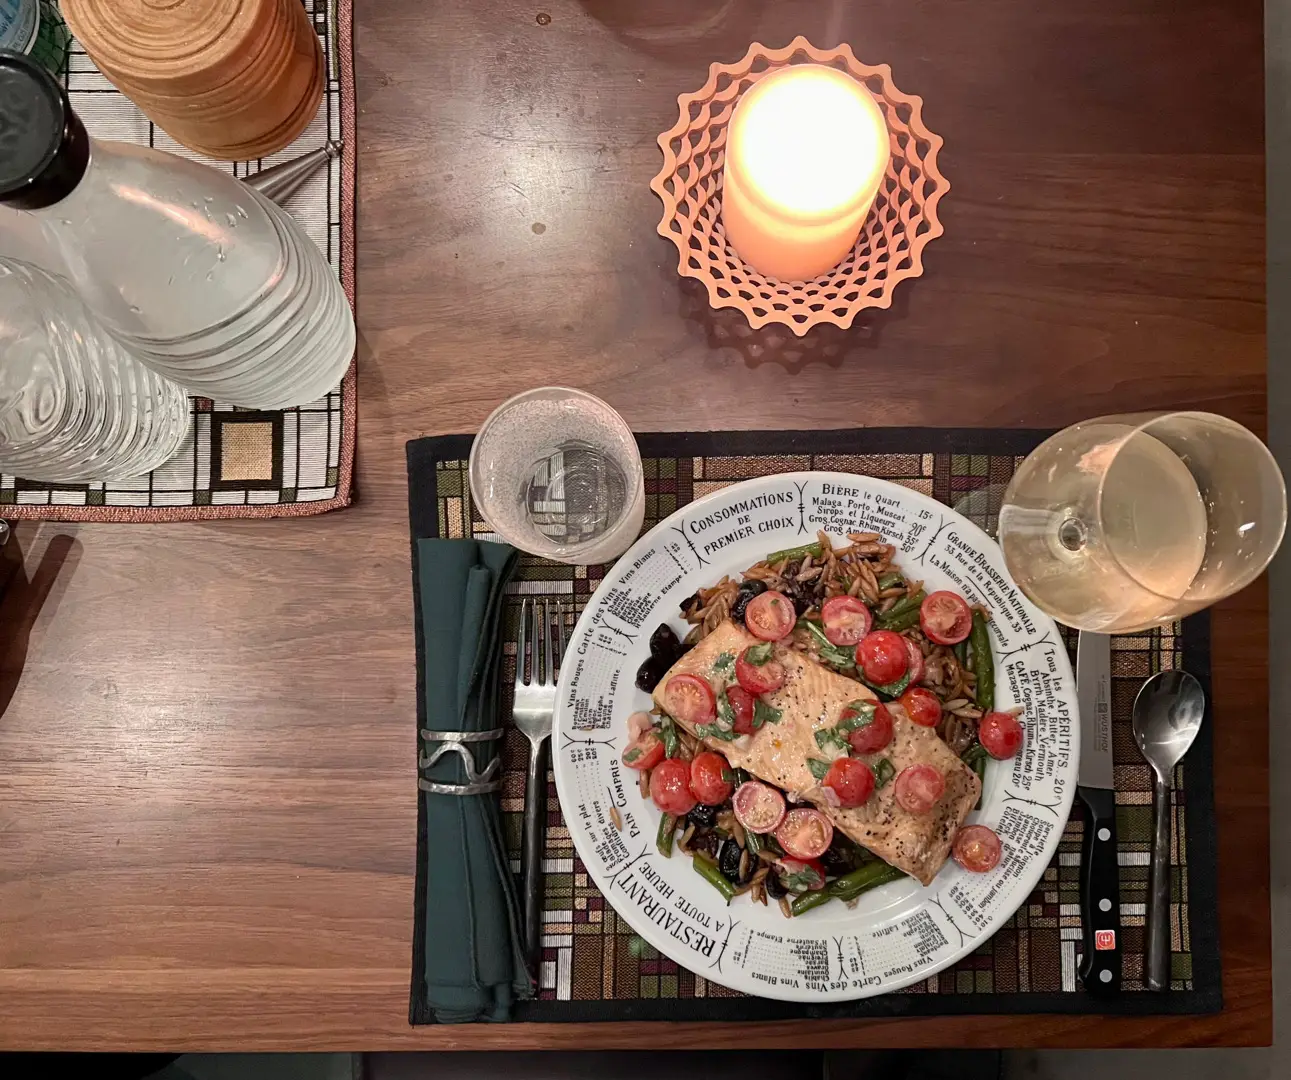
(1167, 716)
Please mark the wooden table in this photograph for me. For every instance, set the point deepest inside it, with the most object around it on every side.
(207, 797)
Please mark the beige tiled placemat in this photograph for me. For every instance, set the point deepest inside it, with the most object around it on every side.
(236, 463)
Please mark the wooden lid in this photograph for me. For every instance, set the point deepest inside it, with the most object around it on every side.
(174, 46)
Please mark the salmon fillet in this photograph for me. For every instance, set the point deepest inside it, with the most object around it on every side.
(812, 698)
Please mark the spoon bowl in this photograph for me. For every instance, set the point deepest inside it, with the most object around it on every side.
(1167, 716)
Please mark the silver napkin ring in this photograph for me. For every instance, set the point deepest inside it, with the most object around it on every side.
(480, 783)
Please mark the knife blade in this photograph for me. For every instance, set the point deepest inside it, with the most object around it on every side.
(1100, 907)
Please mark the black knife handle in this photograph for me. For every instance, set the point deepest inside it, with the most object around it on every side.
(1100, 966)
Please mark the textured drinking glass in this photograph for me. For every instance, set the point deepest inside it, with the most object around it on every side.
(557, 473)
(1125, 522)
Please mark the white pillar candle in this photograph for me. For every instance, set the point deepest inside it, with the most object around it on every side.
(805, 154)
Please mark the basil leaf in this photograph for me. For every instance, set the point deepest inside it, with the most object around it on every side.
(764, 713)
(725, 714)
(728, 777)
(802, 880)
(818, 768)
(861, 715)
(757, 655)
(712, 731)
(893, 689)
(724, 662)
(841, 657)
(827, 737)
(883, 772)
(671, 744)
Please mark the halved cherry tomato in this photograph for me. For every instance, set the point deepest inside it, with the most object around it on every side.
(846, 620)
(1000, 733)
(805, 833)
(874, 736)
(977, 848)
(690, 698)
(742, 706)
(945, 617)
(759, 678)
(851, 780)
(770, 615)
(670, 787)
(883, 657)
(801, 875)
(758, 806)
(922, 706)
(711, 778)
(918, 788)
(916, 660)
(645, 752)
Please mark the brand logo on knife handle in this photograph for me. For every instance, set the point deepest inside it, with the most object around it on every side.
(1103, 716)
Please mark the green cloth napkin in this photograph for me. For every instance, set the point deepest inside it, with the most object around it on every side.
(475, 964)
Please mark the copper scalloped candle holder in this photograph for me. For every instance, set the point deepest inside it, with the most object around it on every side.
(890, 246)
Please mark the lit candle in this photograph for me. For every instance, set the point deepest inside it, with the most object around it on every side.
(806, 152)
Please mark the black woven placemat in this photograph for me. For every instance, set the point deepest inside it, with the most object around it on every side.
(596, 968)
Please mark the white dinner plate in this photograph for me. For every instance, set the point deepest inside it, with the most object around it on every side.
(900, 933)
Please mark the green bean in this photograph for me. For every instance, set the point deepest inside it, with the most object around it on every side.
(983, 664)
(961, 652)
(848, 887)
(707, 869)
(808, 900)
(891, 578)
(814, 550)
(901, 612)
(901, 621)
(753, 842)
(869, 876)
(663, 839)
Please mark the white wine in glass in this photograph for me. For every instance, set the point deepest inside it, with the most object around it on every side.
(1126, 522)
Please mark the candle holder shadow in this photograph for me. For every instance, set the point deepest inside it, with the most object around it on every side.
(828, 345)
(890, 246)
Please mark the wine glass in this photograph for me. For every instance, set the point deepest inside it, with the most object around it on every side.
(1121, 523)
(557, 473)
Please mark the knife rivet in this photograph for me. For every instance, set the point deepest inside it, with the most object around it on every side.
(1104, 904)
(1104, 834)
(1105, 976)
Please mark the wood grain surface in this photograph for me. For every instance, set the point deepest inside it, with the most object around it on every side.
(207, 762)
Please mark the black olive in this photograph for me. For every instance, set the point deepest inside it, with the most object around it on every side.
(802, 595)
(664, 644)
(775, 888)
(692, 603)
(703, 816)
(728, 861)
(748, 590)
(649, 674)
(706, 841)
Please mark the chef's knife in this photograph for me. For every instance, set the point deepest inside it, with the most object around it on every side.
(1100, 966)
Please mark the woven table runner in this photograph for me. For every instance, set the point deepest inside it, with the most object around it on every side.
(596, 968)
(236, 463)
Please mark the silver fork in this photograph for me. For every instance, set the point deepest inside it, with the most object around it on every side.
(535, 702)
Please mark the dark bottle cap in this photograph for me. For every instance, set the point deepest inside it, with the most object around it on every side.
(44, 149)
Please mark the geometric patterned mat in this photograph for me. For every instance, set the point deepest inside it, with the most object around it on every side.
(596, 968)
(236, 463)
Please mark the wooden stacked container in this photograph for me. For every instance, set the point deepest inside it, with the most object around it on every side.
(233, 79)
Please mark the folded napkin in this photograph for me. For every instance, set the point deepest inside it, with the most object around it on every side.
(474, 956)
